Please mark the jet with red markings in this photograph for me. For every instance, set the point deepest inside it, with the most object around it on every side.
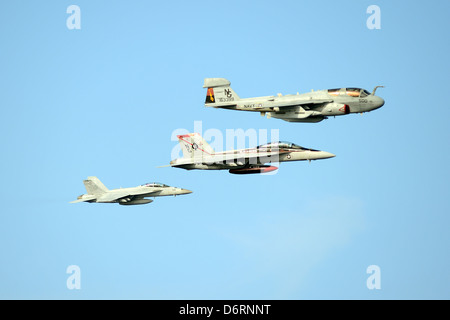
(198, 154)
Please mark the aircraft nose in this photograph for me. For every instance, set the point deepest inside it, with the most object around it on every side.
(185, 191)
(379, 103)
(325, 155)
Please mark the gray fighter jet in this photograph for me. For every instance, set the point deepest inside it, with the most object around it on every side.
(198, 154)
(97, 192)
(313, 106)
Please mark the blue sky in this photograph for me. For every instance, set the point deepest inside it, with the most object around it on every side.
(104, 100)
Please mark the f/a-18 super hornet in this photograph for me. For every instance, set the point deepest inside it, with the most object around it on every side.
(313, 106)
(98, 193)
(198, 154)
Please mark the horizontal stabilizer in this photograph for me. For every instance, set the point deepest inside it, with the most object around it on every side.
(84, 198)
(225, 105)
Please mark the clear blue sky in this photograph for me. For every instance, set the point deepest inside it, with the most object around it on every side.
(104, 100)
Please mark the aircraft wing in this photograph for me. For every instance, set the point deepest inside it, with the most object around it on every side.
(123, 193)
(298, 102)
(247, 155)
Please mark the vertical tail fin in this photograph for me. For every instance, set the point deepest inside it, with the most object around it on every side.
(194, 146)
(94, 186)
(219, 91)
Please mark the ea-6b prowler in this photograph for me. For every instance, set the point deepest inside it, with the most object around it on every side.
(98, 193)
(313, 106)
(198, 154)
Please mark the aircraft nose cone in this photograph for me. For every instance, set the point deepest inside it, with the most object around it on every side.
(323, 155)
(379, 102)
(327, 155)
(185, 191)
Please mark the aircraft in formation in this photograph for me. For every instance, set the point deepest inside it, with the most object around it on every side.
(98, 193)
(198, 154)
(313, 106)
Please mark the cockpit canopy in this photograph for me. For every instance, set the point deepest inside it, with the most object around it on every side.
(282, 145)
(155, 185)
(352, 92)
